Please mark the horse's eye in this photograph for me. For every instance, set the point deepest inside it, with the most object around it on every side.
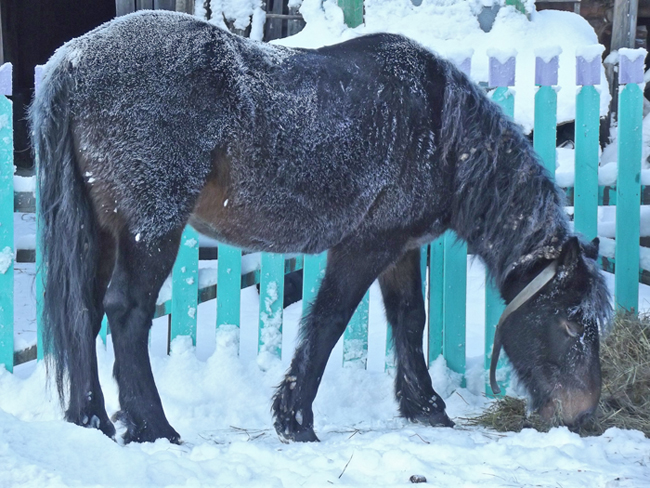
(574, 329)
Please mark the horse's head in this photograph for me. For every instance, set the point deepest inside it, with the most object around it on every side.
(552, 335)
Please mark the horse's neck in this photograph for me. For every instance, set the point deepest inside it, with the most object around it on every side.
(521, 220)
(520, 276)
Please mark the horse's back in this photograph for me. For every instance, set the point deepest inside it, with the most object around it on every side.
(333, 140)
(168, 107)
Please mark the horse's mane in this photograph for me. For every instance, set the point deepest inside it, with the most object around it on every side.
(499, 182)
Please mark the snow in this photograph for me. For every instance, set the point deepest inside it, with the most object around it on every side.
(547, 53)
(447, 26)
(217, 396)
(589, 53)
(632, 54)
(6, 258)
(502, 55)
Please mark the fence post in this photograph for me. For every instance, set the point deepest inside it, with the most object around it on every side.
(628, 184)
(185, 286)
(501, 76)
(544, 135)
(7, 252)
(587, 135)
(228, 285)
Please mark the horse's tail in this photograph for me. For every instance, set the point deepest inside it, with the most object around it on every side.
(70, 253)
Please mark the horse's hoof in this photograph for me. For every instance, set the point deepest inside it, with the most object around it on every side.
(93, 421)
(437, 419)
(144, 435)
(107, 428)
(146, 431)
(288, 434)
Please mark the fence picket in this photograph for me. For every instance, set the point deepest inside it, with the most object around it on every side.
(352, 12)
(7, 251)
(454, 313)
(312, 275)
(355, 338)
(228, 285)
(587, 132)
(185, 286)
(104, 331)
(628, 185)
(271, 304)
(544, 135)
(502, 76)
(436, 293)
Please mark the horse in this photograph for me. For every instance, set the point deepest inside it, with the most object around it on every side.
(367, 149)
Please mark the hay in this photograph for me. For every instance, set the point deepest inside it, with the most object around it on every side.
(625, 399)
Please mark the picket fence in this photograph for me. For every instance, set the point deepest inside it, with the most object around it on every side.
(444, 261)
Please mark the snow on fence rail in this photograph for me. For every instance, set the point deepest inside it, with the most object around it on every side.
(444, 261)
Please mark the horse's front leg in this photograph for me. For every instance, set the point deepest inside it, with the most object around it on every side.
(351, 269)
(401, 288)
(130, 302)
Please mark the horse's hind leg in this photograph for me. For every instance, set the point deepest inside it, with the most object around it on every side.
(351, 269)
(401, 287)
(130, 302)
(86, 406)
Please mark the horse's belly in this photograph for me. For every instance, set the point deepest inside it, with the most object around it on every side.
(268, 222)
(264, 207)
(255, 234)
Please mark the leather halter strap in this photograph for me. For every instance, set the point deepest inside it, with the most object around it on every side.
(522, 297)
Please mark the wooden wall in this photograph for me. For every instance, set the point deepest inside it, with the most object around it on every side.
(32, 30)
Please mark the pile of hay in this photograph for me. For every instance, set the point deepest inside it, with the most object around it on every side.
(625, 399)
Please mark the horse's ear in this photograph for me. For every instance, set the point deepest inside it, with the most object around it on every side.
(591, 248)
(570, 252)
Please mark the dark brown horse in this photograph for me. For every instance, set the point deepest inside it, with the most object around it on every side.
(368, 149)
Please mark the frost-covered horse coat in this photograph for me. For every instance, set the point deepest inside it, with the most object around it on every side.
(368, 149)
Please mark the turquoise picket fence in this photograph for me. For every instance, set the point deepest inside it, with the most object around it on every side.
(444, 261)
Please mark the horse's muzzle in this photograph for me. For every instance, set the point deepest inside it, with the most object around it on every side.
(570, 407)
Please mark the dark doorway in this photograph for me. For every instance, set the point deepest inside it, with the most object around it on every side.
(31, 32)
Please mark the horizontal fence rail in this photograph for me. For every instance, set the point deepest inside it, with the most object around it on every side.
(444, 261)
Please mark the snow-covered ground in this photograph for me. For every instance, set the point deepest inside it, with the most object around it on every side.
(218, 398)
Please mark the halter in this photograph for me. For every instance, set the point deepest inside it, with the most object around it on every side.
(522, 297)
